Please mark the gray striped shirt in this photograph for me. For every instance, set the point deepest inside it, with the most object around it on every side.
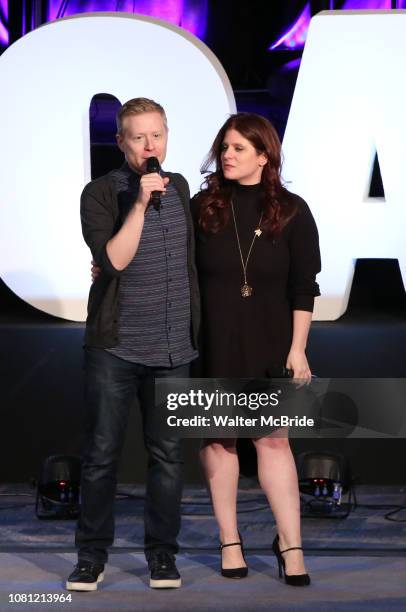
(154, 299)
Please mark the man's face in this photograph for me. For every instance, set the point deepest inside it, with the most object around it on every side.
(144, 135)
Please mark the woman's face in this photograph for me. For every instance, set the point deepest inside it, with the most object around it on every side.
(239, 159)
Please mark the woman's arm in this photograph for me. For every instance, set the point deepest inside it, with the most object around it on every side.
(302, 286)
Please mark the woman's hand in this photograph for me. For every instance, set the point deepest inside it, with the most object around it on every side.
(94, 270)
(297, 361)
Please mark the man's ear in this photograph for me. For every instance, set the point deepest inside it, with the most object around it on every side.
(119, 140)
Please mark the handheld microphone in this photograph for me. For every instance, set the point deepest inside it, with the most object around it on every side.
(153, 166)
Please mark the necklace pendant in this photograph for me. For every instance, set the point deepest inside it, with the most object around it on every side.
(258, 232)
(246, 290)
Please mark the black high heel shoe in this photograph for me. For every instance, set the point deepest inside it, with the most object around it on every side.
(235, 572)
(292, 579)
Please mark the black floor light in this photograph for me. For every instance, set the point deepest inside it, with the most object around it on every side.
(324, 478)
(58, 488)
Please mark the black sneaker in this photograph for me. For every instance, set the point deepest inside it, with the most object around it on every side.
(164, 573)
(85, 576)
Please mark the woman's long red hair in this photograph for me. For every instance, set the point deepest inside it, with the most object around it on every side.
(215, 196)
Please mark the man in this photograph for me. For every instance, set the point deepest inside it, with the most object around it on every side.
(143, 317)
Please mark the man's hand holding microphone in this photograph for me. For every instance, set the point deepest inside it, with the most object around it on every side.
(152, 184)
(123, 246)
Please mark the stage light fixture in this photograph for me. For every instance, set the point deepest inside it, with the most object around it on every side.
(58, 488)
(325, 478)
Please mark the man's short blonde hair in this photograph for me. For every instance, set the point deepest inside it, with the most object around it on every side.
(136, 106)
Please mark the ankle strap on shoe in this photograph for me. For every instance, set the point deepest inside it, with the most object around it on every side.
(293, 548)
(231, 544)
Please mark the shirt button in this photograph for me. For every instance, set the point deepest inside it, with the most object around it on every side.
(169, 254)
(170, 280)
(166, 230)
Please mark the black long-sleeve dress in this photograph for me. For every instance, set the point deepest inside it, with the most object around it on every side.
(251, 336)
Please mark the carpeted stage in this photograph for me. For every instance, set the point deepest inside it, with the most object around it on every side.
(357, 563)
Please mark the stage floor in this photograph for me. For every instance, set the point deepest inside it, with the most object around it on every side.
(356, 563)
(347, 583)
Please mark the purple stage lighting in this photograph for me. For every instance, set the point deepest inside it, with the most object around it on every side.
(292, 65)
(295, 37)
(188, 14)
(3, 35)
(194, 19)
(353, 5)
(3, 23)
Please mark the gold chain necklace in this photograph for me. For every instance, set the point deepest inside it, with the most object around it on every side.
(246, 289)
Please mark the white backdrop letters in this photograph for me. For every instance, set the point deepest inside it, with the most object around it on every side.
(348, 103)
(48, 79)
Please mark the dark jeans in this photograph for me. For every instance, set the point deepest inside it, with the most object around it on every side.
(110, 386)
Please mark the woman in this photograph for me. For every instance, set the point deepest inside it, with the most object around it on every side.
(257, 256)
